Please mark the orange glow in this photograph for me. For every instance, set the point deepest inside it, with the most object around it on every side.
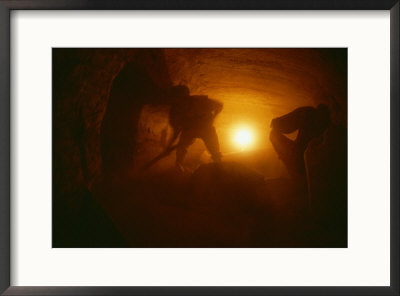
(243, 137)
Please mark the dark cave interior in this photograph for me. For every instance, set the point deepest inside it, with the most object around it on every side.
(110, 117)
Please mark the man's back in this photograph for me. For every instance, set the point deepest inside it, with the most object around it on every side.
(194, 112)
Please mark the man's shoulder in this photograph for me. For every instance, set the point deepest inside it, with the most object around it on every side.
(199, 97)
(305, 109)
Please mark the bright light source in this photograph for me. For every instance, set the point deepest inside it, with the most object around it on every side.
(243, 137)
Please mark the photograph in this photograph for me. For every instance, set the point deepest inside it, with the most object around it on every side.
(199, 147)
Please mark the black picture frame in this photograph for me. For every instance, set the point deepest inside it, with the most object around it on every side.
(5, 153)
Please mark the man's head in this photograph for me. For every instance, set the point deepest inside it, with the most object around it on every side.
(324, 114)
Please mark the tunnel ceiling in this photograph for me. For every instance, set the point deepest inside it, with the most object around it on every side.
(268, 81)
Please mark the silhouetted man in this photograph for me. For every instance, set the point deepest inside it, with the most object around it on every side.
(192, 117)
(310, 123)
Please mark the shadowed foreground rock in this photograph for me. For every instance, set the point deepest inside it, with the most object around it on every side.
(219, 205)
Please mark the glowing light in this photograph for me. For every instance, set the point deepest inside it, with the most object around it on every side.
(243, 137)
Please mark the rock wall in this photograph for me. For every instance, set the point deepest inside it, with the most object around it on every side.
(82, 80)
(82, 83)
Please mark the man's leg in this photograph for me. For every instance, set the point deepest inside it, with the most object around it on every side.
(210, 139)
(185, 141)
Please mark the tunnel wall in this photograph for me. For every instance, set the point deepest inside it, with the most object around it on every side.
(82, 82)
